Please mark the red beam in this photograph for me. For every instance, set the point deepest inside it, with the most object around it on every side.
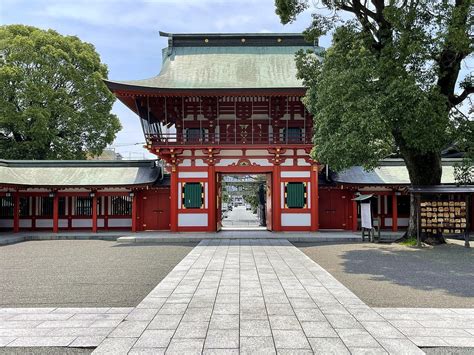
(394, 212)
(94, 213)
(174, 200)
(134, 213)
(55, 213)
(211, 199)
(314, 195)
(16, 212)
(276, 203)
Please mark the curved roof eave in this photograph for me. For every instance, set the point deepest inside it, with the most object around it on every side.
(132, 88)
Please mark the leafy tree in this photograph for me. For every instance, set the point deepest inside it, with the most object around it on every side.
(389, 81)
(53, 102)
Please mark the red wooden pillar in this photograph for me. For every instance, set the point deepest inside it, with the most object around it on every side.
(69, 200)
(174, 200)
(16, 212)
(354, 214)
(33, 212)
(134, 212)
(394, 212)
(211, 198)
(94, 213)
(276, 203)
(314, 196)
(55, 213)
(106, 211)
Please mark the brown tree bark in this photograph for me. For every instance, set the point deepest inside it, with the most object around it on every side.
(424, 170)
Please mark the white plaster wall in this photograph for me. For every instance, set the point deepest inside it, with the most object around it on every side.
(234, 153)
(282, 194)
(287, 162)
(296, 219)
(6, 223)
(295, 174)
(402, 222)
(82, 223)
(261, 162)
(225, 162)
(25, 223)
(120, 222)
(256, 152)
(192, 219)
(44, 223)
(100, 222)
(192, 174)
(302, 162)
(200, 162)
(62, 223)
(185, 162)
(308, 194)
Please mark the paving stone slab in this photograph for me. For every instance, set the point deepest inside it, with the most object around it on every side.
(290, 339)
(222, 338)
(116, 346)
(256, 345)
(242, 296)
(41, 341)
(333, 346)
(159, 338)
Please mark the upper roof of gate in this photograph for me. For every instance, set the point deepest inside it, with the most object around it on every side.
(225, 61)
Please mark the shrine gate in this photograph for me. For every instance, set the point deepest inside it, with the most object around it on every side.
(229, 103)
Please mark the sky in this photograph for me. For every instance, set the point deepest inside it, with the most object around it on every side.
(125, 34)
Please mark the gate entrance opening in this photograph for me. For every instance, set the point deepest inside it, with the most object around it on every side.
(243, 201)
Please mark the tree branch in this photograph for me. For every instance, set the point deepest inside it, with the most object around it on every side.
(456, 100)
(449, 60)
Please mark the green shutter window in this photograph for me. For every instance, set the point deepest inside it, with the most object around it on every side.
(192, 195)
(295, 195)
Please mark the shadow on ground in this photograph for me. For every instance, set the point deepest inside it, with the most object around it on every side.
(398, 276)
(447, 267)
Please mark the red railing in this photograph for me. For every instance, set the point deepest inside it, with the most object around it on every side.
(228, 139)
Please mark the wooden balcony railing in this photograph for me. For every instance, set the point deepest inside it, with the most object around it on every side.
(229, 139)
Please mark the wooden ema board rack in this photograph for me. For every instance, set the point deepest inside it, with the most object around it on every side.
(446, 217)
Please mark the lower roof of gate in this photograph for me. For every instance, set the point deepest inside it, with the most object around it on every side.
(87, 173)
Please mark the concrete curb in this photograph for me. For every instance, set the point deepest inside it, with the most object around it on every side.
(180, 239)
(12, 240)
(24, 238)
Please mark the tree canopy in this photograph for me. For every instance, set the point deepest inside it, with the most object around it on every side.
(390, 81)
(53, 101)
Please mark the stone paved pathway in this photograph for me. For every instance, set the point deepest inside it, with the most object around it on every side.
(243, 296)
(74, 327)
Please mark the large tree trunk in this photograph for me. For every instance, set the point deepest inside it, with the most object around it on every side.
(424, 170)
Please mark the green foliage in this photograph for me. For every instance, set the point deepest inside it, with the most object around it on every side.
(289, 9)
(53, 102)
(410, 242)
(464, 172)
(388, 82)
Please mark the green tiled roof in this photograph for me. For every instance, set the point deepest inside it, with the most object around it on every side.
(390, 172)
(78, 173)
(224, 62)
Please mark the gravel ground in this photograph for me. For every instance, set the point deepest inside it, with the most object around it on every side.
(83, 273)
(391, 275)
